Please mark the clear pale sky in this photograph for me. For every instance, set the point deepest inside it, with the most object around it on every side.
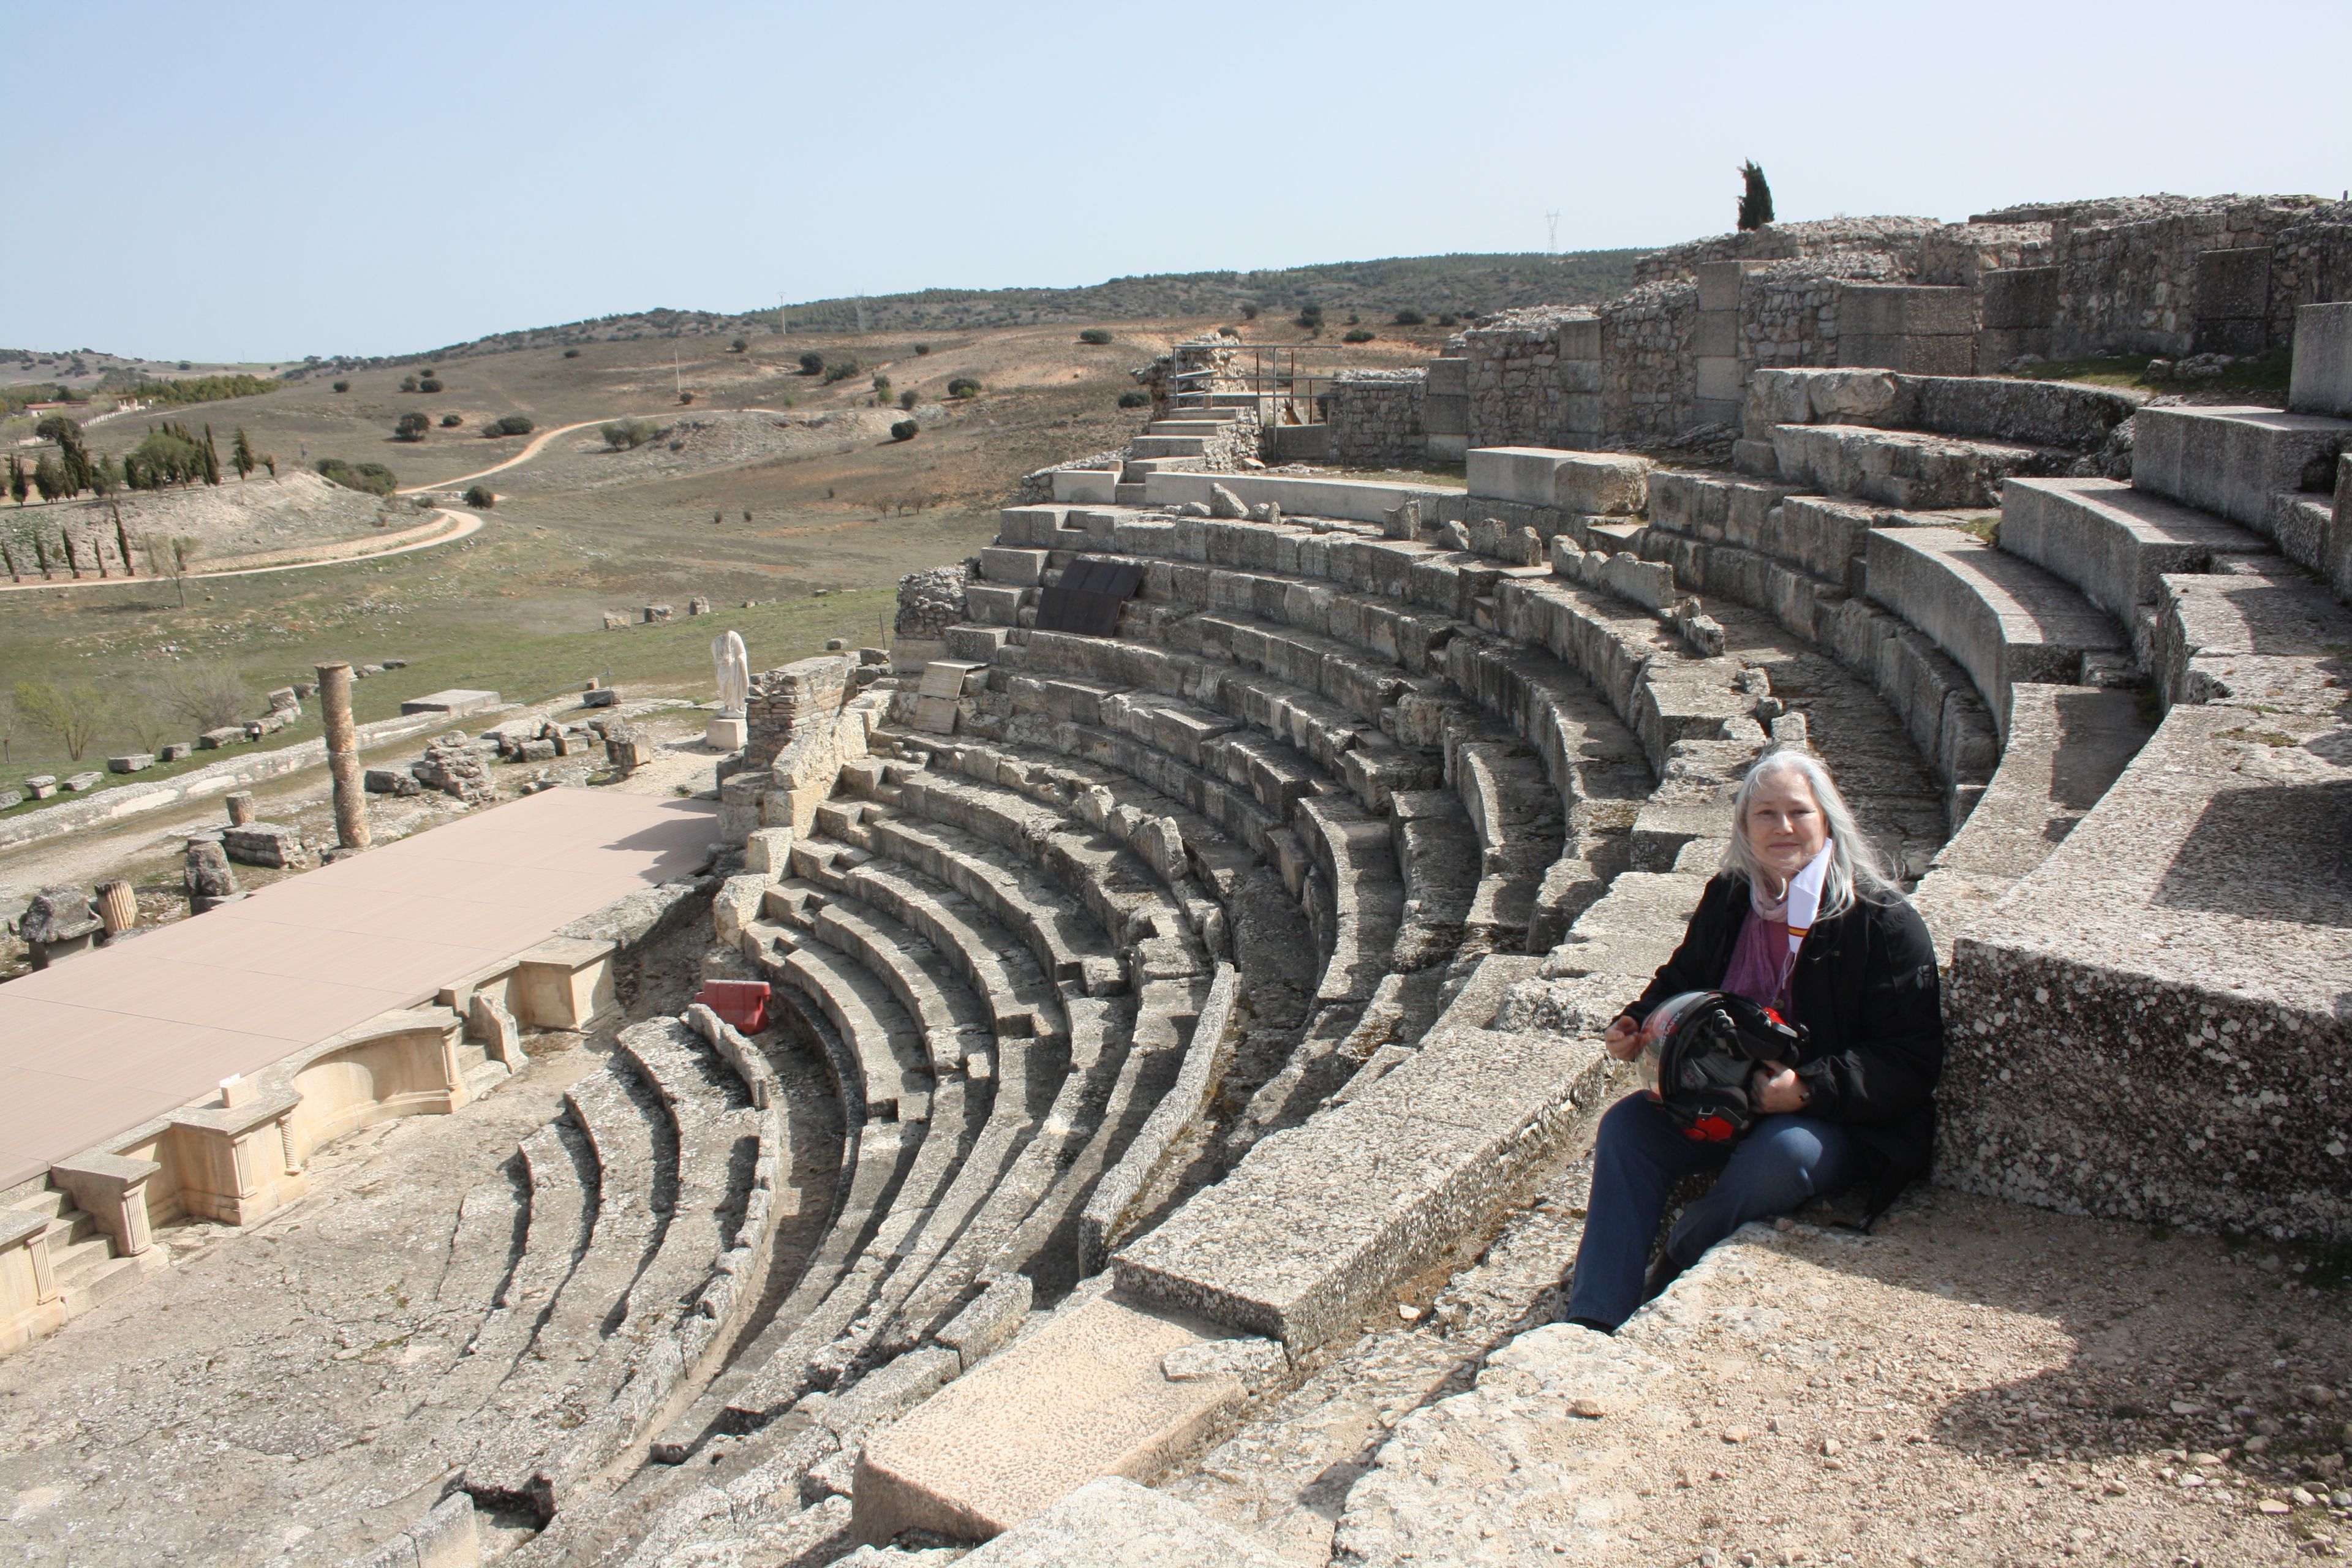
(261, 182)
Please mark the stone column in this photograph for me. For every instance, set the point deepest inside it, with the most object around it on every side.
(343, 756)
(118, 907)
(240, 807)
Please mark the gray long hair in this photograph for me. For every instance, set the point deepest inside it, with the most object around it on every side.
(1855, 871)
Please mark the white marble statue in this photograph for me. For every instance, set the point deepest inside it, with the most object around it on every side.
(734, 666)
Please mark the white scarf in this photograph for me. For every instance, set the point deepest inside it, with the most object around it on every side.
(1800, 905)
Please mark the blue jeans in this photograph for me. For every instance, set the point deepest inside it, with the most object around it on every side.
(1640, 1155)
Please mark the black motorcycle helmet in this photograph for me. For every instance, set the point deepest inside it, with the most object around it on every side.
(1707, 1046)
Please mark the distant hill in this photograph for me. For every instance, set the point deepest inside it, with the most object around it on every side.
(1463, 286)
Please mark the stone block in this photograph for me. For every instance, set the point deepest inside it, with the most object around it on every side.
(267, 843)
(178, 750)
(1114, 1521)
(993, 603)
(1017, 568)
(1084, 1396)
(603, 697)
(1717, 334)
(1579, 338)
(1905, 310)
(131, 763)
(654, 613)
(74, 783)
(41, 787)
(390, 781)
(2321, 382)
(456, 702)
(227, 734)
(1718, 284)
(1593, 483)
(2232, 286)
(2019, 298)
(1718, 379)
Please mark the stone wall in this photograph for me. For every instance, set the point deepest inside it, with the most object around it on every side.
(2144, 284)
(1788, 241)
(1517, 389)
(1648, 369)
(1375, 418)
(786, 701)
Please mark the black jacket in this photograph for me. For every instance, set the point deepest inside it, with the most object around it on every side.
(1865, 990)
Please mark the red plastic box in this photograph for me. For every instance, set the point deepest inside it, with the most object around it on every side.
(743, 1004)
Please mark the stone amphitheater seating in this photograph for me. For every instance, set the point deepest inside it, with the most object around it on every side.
(1107, 1175)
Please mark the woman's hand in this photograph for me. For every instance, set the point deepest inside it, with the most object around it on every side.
(1619, 1039)
(1777, 1090)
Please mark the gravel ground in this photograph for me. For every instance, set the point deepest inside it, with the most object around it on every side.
(1975, 1384)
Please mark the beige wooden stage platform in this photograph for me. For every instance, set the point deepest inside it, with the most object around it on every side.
(99, 1042)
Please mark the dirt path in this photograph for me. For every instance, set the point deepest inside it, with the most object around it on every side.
(538, 444)
(447, 528)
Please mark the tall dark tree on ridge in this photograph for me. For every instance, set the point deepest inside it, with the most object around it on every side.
(1756, 201)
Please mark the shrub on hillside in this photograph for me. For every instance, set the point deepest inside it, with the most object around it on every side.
(1446, 320)
(625, 435)
(373, 478)
(1358, 335)
(1408, 317)
(342, 386)
(741, 345)
(1135, 400)
(430, 383)
(963, 386)
(812, 363)
(841, 368)
(1249, 313)
(905, 430)
(480, 499)
(906, 398)
(922, 348)
(451, 420)
(407, 384)
(511, 424)
(1309, 318)
(571, 354)
(1096, 335)
(412, 426)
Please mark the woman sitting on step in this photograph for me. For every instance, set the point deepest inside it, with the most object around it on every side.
(1857, 1103)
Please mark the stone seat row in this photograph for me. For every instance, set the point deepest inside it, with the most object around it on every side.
(663, 1181)
(1451, 1136)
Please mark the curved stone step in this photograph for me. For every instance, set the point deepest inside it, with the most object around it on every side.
(2111, 541)
(889, 1044)
(559, 1171)
(1072, 949)
(2004, 618)
(1116, 887)
(2263, 634)
(1914, 470)
(810, 1354)
(1021, 999)
(956, 1023)
(2235, 462)
(2067, 744)
(2192, 940)
(676, 1305)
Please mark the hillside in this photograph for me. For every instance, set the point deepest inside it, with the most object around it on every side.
(1463, 286)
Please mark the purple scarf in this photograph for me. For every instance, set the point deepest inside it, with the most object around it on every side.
(1761, 962)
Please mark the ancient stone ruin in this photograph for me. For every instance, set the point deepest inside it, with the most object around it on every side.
(1163, 1126)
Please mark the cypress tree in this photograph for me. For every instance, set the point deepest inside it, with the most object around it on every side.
(1755, 199)
(122, 542)
(14, 575)
(41, 555)
(212, 458)
(241, 453)
(18, 485)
